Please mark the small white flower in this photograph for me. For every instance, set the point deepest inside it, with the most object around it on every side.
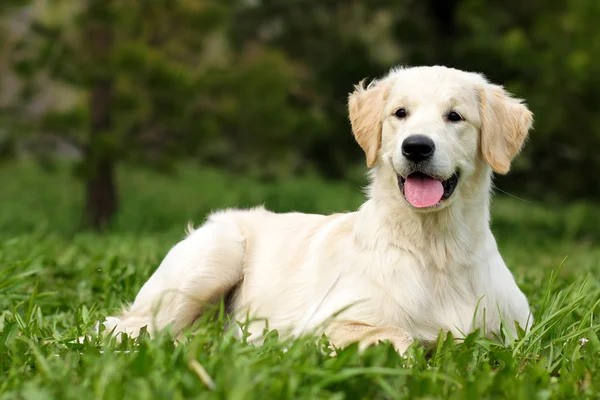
(583, 341)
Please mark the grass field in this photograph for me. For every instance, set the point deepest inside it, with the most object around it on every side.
(56, 282)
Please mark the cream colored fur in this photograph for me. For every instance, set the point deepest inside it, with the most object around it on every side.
(397, 273)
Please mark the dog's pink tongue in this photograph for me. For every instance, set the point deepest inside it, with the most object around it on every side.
(422, 191)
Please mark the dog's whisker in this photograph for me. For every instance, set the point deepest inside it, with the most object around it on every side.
(512, 195)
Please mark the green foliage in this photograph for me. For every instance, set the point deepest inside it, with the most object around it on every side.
(55, 285)
(323, 40)
(151, 59)
(545, 52)
(260, 88)
(262, 131)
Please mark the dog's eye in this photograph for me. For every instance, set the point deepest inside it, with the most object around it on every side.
(400, 113)
(453, 116)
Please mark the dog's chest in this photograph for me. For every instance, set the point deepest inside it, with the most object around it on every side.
(398, 291)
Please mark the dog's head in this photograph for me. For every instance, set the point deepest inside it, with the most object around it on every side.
(438, 129)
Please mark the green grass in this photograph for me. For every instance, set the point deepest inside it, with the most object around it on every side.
(56, 282)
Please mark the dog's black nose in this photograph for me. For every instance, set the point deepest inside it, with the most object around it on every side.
(417, 148)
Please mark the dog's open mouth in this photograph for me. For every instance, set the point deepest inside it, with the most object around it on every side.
(423, 191)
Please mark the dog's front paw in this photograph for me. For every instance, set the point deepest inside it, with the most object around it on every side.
(398, 337)
(343, 334)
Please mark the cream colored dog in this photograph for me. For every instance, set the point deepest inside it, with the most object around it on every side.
(416, 258)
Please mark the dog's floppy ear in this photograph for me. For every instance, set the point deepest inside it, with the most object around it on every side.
(365, 106)
(505, 122)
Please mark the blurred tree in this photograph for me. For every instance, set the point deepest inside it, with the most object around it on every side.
(11, 30)
(139, 65)
(549, 53)
(260, 126)
(334, 45)
(100, 195)
(260, 87)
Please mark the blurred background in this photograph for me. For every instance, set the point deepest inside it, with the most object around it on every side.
(145, 113)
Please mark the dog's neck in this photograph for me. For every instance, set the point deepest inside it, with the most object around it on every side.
(446, 239)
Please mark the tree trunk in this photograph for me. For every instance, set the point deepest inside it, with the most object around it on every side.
(101, 196)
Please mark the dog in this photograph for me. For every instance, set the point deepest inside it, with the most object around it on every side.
(417, 258)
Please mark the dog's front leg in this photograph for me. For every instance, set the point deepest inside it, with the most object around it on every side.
(344, 333)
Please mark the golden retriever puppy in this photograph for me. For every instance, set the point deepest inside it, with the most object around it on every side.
(416, 258)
